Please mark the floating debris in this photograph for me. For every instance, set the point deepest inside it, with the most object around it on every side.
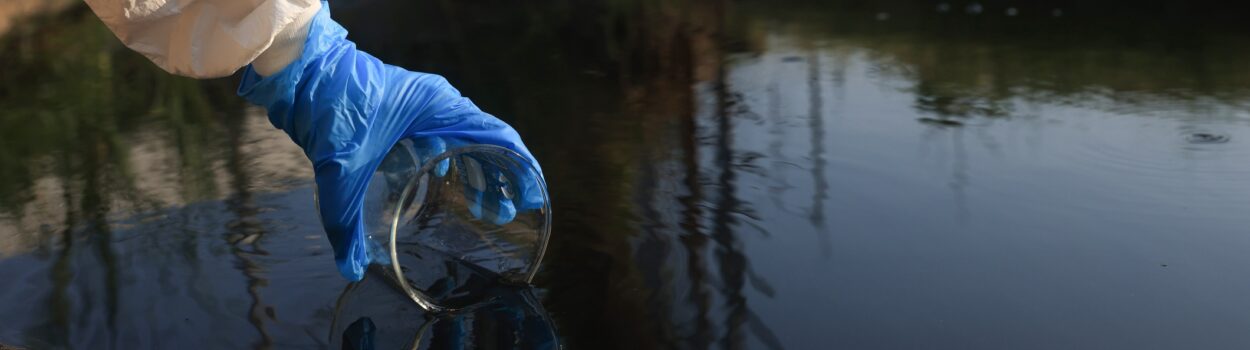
(792, 59)
(1206, 138)
(941, 122)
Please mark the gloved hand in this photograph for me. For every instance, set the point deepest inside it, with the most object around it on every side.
(346, 109)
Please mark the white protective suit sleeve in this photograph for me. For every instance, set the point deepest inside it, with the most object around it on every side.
(210, 38)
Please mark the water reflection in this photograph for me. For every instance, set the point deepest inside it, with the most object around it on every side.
(725, 175)
(108, 240)
(375, 314)
(816, 122)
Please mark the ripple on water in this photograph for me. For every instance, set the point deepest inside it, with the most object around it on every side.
(1150, 168)
(1200, 137)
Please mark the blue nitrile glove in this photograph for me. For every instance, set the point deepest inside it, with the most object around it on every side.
(346, 109)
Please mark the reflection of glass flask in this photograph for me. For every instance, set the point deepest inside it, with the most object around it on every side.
(373, 314)
(464, 219)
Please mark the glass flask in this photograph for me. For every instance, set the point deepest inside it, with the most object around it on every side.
(457, 222)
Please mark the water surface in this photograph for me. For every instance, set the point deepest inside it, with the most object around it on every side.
(723, 174)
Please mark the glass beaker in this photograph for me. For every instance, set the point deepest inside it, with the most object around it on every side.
(455, 221)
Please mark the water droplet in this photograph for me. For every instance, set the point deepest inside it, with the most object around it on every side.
(1012, 12)
(943, 7)
(1057, 12)
(881, 16)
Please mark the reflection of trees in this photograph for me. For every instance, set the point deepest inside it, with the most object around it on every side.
(68, 83)
(16, 10)
(816, 122)
(81, 108)
(959, 66)
(693, 238)
(246, 229)
(85, 133)
(704, 28)
(734, 267)
(732, 262)
(94, 207)
(703, 54)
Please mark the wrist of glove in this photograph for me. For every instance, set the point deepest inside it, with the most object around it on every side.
(287, 45)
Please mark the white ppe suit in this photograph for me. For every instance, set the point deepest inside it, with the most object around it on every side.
(210, 38)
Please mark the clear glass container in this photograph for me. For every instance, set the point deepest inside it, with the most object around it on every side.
(452, 224)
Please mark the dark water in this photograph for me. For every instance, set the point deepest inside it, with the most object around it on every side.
(724, 175)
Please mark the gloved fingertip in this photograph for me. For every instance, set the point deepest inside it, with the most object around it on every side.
(475, 203)
(530, 186)
(431, 147)
(353, 266)
(352, 272)
(441, 169)
(506, 213)
(531, 197)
